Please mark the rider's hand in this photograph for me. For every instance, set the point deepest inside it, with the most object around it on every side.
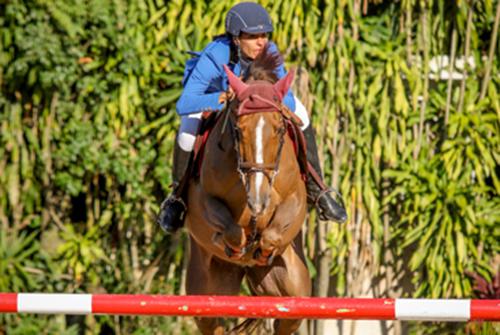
(226, 96)
(222, 97)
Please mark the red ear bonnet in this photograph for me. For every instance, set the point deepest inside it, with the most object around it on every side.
(236, 84)
(283, 85)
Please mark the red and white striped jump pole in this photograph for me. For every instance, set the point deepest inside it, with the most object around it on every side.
(253, 307)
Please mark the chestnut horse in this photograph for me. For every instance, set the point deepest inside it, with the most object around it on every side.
(246, 209)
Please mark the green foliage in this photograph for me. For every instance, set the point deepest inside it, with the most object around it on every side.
(36, 325)
(20, 262)
(87, 124)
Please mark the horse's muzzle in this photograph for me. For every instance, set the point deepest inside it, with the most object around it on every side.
(258, 204)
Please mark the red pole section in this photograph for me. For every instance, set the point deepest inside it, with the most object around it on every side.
(8, 302)
(485, 310)
(241, 306)
(253, 307)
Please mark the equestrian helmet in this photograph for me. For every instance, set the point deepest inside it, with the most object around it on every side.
(248, 17)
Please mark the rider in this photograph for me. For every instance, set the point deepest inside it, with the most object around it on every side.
(247, 27)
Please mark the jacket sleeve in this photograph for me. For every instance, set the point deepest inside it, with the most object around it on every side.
(289, 99)
(194, 97)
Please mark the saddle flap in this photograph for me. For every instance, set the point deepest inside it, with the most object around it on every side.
(209, 120)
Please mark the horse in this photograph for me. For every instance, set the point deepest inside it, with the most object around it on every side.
(247, 205)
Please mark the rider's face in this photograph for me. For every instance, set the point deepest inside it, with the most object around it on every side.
(251, 44)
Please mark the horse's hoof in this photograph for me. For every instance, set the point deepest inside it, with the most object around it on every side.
(232, 253)
(243, 251)
(257, 254)
(229, 252)
(264, 259)
(270, 259)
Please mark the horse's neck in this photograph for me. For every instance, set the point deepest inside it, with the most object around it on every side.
(289, 170)
(219, 171)
(223, 144)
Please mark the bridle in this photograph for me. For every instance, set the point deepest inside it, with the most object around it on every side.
(245, 168)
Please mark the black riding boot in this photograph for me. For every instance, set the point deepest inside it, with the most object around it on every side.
(173, 208)
(327, 207)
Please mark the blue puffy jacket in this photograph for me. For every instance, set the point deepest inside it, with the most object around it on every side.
(208, 80)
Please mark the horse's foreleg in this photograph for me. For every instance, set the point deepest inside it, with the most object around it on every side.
(230, 236)
(287, 276)
(207, 275)
(282, 230)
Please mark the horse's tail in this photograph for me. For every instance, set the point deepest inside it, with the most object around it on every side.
(249, 326)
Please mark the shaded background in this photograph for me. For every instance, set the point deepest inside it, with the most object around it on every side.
(404, 96)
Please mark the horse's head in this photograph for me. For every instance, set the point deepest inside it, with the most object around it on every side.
(259, 130)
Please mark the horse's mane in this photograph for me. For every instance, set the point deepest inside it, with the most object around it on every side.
(264, 66)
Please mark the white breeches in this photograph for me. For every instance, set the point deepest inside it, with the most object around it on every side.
(190, 125)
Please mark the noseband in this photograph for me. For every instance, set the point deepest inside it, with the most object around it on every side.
(244, 168)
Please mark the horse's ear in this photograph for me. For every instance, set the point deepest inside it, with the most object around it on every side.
(283, 85)
(236, 84)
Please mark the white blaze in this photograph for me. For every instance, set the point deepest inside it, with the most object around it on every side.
(259, 158)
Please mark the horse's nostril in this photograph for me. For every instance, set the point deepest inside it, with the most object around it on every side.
(267, 198)
(251, 205)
